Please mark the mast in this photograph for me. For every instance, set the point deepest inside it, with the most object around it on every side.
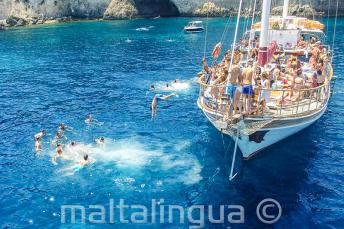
(285, 11)
(264, 33)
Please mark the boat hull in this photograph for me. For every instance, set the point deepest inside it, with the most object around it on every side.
(274, 132)
(251, 145)
(193, 30)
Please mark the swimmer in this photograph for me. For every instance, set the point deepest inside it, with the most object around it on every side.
(58, 154)
(89, 119)
(159, 97)
(77, 167)
(100, 141)
(38, 145)
(73, 143)
(40, 134)
(167, 85)
(152, 88)
(62, 127)
(57, 137)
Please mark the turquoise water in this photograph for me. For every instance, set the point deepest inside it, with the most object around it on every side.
(61, 73)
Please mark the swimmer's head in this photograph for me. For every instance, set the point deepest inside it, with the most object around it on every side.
(167, 85)
(58, 134)
(62, 126)
(86, 157)
(102, 139)
(73, 143)
(43, 132)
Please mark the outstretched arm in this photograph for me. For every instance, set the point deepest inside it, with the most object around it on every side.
(205, 66)
(166, 97)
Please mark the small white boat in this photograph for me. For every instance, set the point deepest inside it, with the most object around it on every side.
(194, 27)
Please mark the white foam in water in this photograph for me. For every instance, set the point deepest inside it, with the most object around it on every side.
(143, 29)
(179, 86)
(130, 155)
(128, 40)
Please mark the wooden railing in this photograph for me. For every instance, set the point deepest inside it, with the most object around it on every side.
(305, 101)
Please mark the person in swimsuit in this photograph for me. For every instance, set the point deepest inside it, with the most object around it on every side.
(233, 80)
(159, 97)
(100, 141)
(40, 134)
(247, 88)
(38, 145)
(89, 119)
(265, 94)
(82, 163)
(57, 138)
(58, 154)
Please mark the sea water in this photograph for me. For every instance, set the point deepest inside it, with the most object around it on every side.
(61, 73)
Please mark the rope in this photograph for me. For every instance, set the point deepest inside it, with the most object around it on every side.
(234, 42)
(252, 22)
(328, 15)
(206, 32)
(335, 28)
(247, 17)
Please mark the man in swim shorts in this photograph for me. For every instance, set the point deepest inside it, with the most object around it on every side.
(159, 97)
(247, 88)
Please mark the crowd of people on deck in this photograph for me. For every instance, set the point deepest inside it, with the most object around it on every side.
(60, 145)
(249, 85)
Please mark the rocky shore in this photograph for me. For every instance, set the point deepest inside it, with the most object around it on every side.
(16, 13)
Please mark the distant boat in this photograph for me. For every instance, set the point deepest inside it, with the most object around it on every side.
(194, 27)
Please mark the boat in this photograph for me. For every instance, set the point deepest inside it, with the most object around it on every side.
(292, 105)
(194, 27)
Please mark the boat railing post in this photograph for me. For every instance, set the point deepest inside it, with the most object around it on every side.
(298, 101)
(310, 99)
(317, 98)
(282, 100)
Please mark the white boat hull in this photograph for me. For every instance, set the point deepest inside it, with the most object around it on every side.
(249, 148)
(263, 138)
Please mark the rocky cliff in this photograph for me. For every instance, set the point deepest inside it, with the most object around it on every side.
(34, 11)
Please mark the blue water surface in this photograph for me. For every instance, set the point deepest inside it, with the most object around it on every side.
(60, 73)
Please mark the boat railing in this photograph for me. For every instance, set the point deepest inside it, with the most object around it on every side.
(283, 102)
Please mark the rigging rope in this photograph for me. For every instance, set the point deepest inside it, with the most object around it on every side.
(206, 31)
(335, 28)
(252, 23)
(328, 16)
(234, 42)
